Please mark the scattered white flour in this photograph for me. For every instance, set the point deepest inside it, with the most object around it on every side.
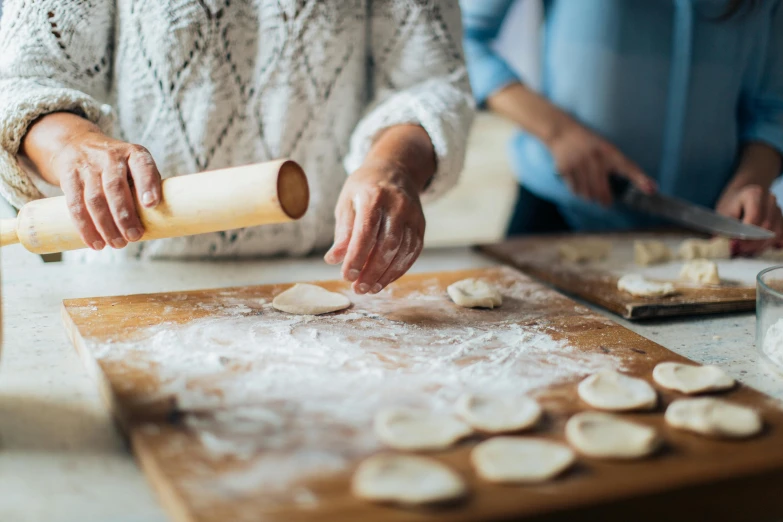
(290, 397)
(773, 343)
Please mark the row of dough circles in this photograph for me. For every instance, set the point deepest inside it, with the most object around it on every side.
(409, 480)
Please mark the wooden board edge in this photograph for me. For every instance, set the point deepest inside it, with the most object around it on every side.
(657, 311)
(168, 495)
(93, 369)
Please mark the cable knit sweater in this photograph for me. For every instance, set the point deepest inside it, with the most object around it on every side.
(205, 84)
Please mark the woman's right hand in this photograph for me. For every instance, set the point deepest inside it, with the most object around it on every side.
(586, 160)
(97, 174)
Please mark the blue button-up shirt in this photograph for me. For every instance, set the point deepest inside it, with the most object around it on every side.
(672, 87)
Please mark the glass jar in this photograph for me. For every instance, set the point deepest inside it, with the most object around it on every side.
(769, 316)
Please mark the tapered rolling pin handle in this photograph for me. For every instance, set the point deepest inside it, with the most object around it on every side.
(225, 199)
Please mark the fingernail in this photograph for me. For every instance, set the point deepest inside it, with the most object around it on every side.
(353, 275)
(363, 288)
(118, 243)
(98, 245)
(376, 288)
(147, 199)
(134, 234)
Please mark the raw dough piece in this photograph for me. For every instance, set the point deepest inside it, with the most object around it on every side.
(700, 271)
(646, 253)
(612, 391)
(498, 414)
(774, 254)
(520, 460)
(305, 299)
(418, 430)
(474, 293)
(717, 248)
(637, 285)
(713, 417)
(603, 435)
(406, 479)
(690, 379)
(585, 250)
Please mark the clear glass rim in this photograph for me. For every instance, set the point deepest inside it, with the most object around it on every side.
(760, 282)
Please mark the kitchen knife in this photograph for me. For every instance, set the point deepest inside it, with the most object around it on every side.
(683, 212)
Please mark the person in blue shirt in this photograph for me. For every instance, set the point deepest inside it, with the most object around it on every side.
(681, 96)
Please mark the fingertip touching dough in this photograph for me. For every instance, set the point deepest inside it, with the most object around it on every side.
(690, 379)
(613, 391)
(603, 435)
(406, 479)
(700, 271)
(520, 460)
(585, 250)
(646, 253)
(713, 417)
(493, 414)
(419, 430)
(306, 299)
(637, 285)
(717, 248)
(474, 293)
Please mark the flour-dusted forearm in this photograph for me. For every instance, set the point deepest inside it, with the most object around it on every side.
(418, 77)
(56, 57)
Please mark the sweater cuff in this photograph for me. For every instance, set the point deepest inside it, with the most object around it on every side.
(445, 113)
(23, 102)
(765, 132)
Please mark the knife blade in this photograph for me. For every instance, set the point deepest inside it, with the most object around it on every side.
(684, 212)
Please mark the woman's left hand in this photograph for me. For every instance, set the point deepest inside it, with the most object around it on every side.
(754, 205)
(380, 225)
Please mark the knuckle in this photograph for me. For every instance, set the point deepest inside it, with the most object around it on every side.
(76, 209)
(95, 200)
(115, 185)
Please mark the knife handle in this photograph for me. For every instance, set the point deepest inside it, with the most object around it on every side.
(619, 186)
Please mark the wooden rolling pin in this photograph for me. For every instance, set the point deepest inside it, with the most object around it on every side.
(224, 199)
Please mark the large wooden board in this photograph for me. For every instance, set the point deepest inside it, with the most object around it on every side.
(119, 340)
(597, 283)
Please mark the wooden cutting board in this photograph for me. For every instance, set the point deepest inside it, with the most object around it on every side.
(597, 282)
(237, 412)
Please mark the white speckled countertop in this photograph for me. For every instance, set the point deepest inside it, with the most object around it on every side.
(61, 459)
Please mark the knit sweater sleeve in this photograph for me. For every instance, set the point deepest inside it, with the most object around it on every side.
(56, 57)
(418, 76)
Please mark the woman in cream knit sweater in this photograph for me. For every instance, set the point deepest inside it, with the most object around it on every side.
(101, 98)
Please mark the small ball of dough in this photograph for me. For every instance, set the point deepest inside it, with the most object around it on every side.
(603, 435)
(717, 248)
(406, 479)
(306, 299)
(690, 379)
(700, 271)
(637, 285)
(474, 293)
(585, 250)
(713, 417)
(520, 460)
(646, 253)
(612, 391)
(498, 414)
(418, 430)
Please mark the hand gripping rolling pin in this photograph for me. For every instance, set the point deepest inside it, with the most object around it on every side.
(224, 199)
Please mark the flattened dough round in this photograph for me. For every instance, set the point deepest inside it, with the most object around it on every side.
(520, 460)
(474, 293)
(690, 379)
(639, 286)
(603, 435)
(714, 417)
(306, 299)
(418, 430)
(406, 479)
(612, 391)
(646, 253)
(494, 414)
(700, 271)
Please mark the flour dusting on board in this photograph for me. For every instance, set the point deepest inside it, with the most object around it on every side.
(291, 397)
